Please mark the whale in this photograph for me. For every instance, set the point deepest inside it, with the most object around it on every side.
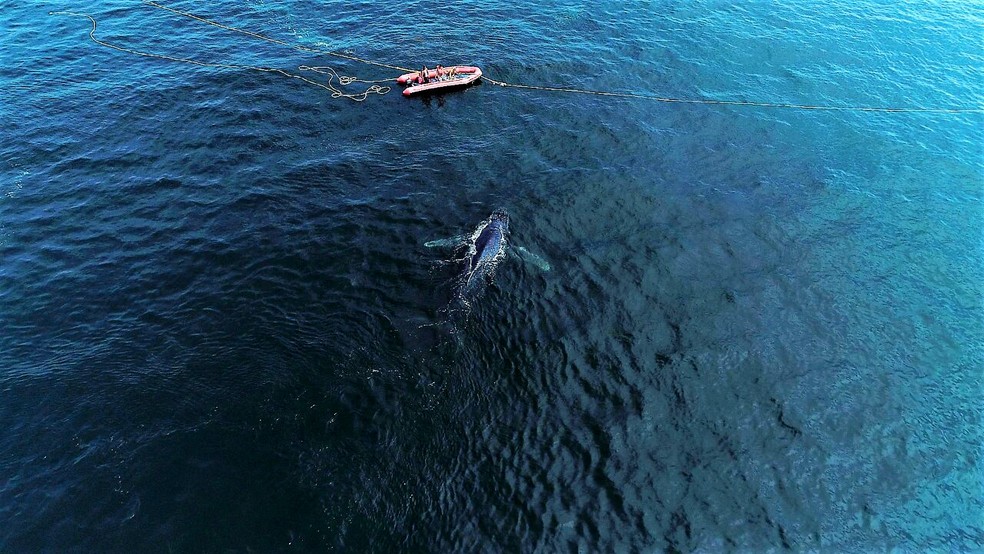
(482, 250)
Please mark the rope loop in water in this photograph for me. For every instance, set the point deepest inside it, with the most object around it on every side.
(324, 70)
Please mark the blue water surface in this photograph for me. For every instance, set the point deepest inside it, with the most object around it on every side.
(762, 328)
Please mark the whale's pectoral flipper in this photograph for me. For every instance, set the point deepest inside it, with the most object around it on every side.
(446, 243)
(532, 258)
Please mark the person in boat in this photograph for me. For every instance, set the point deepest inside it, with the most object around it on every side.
(441, 73)
(451, 72)
(422, 76)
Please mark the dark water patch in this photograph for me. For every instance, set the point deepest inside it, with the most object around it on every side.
(221, 328)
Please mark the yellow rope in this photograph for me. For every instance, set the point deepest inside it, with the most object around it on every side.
(342, 79)
(329, 86)
(375, 89)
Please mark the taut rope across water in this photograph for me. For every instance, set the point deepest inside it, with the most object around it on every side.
(377, 89)
(708, 101)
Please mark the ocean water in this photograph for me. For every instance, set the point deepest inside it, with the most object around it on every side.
(762, 329)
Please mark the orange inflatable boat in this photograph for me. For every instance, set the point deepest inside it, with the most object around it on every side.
(456, 76)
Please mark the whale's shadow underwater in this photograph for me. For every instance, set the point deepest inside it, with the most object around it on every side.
(480, 253)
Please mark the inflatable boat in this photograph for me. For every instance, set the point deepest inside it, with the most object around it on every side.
(463, 75)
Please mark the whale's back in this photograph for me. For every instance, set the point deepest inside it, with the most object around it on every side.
(488, 245)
